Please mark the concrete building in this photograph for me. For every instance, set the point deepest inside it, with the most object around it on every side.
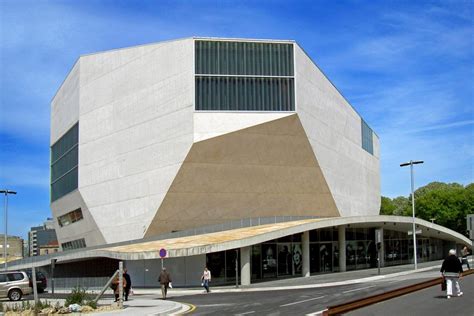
(14, 248)
(182, 134)
(220, 152)
(49, 248)
(41, 236)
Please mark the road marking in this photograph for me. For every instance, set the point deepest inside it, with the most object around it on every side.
(358, 289)
(317, 313)
(251, 312)
(215, 305)
(190, 310)
(311, 299)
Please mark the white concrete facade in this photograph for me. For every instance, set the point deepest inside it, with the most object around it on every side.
(334, 131)
(135, 113)
(137, 123)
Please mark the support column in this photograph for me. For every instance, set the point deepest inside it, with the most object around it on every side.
(382, 249)
(341, 232)
(245, 266)
(305, 242)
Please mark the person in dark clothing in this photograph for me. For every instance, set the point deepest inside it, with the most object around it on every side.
(165, 280)
(451, 269)
(115, 286)
(464, 255)
(127, 288)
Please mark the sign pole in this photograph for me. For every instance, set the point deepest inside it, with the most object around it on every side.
(163, 254)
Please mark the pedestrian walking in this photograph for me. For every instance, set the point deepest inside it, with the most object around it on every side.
(165, 280)
(451, 269)
(464, 255)
(206, 278)
(115, 286)
(127, 288)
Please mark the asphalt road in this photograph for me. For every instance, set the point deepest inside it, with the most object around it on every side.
(310, 301)
(290, 302)
(430, 301)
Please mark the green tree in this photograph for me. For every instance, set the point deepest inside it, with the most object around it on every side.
(386, 206)
(399, 206)
(447, 203)
(402, 206)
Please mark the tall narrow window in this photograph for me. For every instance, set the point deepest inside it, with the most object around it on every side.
(64, 160)
(367, 137)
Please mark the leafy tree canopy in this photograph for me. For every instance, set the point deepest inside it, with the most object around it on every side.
(448, 204)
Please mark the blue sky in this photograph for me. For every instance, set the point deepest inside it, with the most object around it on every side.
(406, 66)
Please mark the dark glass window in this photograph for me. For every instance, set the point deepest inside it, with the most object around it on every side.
(64, 160)
(244, 94)
(367, 137)
(15, 277)
(244, 76)
(70, 217)
(75, 244)
(244, 58)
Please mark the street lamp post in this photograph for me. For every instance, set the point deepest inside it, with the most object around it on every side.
(6, 192)
(411, 163)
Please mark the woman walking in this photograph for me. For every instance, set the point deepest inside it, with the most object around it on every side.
(206, 278)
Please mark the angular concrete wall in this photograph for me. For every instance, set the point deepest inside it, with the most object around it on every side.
(334, 131)
(85, 228)
(265, 170)
(136, 127)
(135, 112)
(65, 105)
(148, 163)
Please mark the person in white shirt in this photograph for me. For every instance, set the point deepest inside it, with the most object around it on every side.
(206, 278)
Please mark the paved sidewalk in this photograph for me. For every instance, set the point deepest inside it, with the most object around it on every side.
(142, 305)
(315, 281)
(147, 301)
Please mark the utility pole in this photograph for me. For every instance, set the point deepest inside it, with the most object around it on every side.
(6, 192)
(411, 163)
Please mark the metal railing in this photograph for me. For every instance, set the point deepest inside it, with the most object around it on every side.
(88, 283)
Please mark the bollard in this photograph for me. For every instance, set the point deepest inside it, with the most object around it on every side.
(378, 264)
(120, 298)
(35, 288)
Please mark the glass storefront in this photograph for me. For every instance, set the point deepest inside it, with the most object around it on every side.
(360, 248)
(222, 266)
(283, 257)
(399, 248)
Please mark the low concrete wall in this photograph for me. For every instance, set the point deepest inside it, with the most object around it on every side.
(184, 271)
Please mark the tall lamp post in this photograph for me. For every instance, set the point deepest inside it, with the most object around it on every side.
(6, 192)
(411, 163)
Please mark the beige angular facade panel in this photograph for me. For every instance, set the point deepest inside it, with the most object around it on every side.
(265, 170)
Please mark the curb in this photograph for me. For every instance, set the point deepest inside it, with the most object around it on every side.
(173, 310)
(309, 286)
